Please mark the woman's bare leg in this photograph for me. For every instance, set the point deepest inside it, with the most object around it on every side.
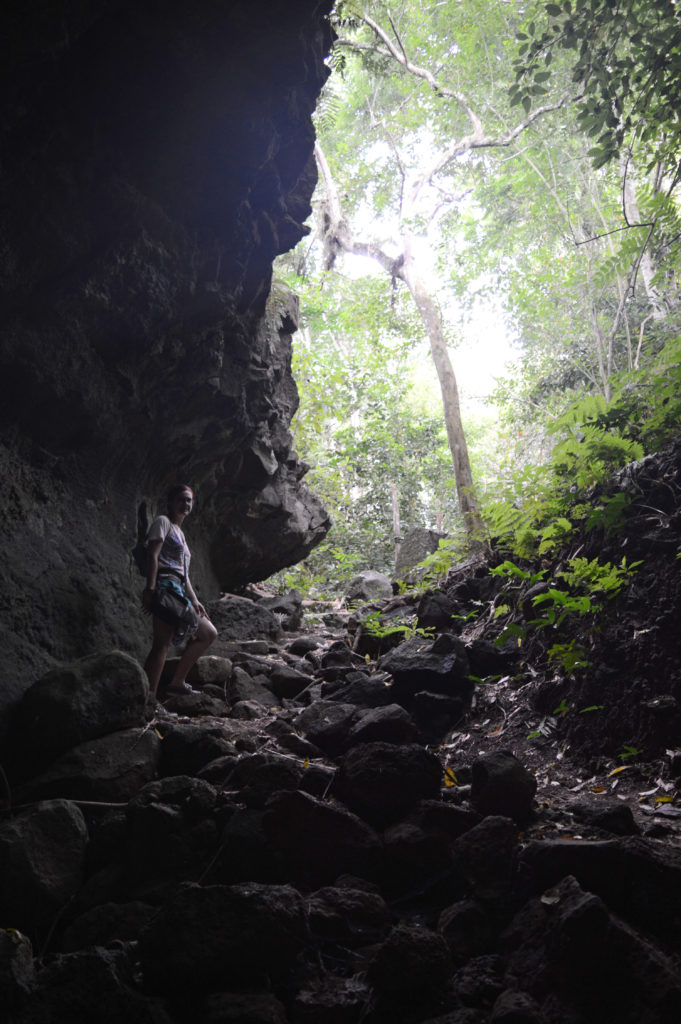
(153, 666)
(205, 634)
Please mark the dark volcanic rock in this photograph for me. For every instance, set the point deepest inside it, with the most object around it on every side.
(413, 963)
(383, 782)
(570, 954)
(390, 724)
(243, 1008)
(107, 924)
(637, 878)
(239, 618)
(216, 937)
(73, 984)
(502, 785)
(349, 917)
(89, 698)
(17, 969)
(42, 852)
(287, 608)
(315, 841)
(153, 167)
(326, 724)
(440, 666)
(111, 768)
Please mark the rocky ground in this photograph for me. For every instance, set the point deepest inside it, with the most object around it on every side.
(406, 823)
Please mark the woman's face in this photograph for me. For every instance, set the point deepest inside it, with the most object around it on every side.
(181, 505)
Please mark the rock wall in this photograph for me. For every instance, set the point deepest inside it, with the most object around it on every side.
(156, 157)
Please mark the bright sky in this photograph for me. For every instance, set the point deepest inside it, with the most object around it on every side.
(482, 356)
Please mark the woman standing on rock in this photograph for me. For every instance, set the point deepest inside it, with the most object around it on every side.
(169, 596)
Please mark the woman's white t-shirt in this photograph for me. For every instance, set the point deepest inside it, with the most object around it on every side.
(174, 553)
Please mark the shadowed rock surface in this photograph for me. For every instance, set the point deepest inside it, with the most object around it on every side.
(156, 158)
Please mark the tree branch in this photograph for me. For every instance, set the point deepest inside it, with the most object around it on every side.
(338, 227)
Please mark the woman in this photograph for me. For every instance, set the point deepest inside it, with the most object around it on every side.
(168, 569)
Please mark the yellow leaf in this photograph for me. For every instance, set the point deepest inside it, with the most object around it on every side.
(598, 789)
(306, 762)
(450, 777)
(158, 733)
(663, 800)
(616, 771)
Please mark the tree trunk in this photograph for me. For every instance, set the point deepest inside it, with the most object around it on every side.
(397, 529)
(338, 238)
(432, 320)
(632, 212)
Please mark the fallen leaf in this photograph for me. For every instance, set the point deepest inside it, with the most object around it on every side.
(450, 777)
(616, 771)
(598, 789)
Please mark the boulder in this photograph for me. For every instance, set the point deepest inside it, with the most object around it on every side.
(111, 768)
(616, 818)
(348, 917)
(502, 785)
(439, 666)
(93, 984)
(418, 543)
(487, 857)
(218, 937)
(17, 968)
(327, 724)
(185, 749)
(243, 1008)
(412, 964)
(315, 841)
(417, 862)
(369, 586)
(366, 691)
(107, 924)
(262, 774)
(239, 618)
(88, 698)
(436, 713)
(638, 878)
(210, 669)
(467, 928)
(436, 610)
(382, 782)
(286, 608)
(389, 724)
(42, 852)
(287, 682)
(567, 951)
(243, 686)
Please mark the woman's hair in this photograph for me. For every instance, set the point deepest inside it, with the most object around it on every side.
(177, 489)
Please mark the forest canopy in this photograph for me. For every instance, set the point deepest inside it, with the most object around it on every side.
(488, 170)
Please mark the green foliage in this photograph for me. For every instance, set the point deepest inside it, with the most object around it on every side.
(510, 569)
(588, 581)
(375, 625)
(542, 506)
(629, 752)
(596, 578)
(625, 60)
(569, 656)
(434, 567)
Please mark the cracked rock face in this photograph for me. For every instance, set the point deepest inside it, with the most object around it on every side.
(154, 164)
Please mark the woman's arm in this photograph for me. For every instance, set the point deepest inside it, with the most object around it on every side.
(153, 550)
(194, 599)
